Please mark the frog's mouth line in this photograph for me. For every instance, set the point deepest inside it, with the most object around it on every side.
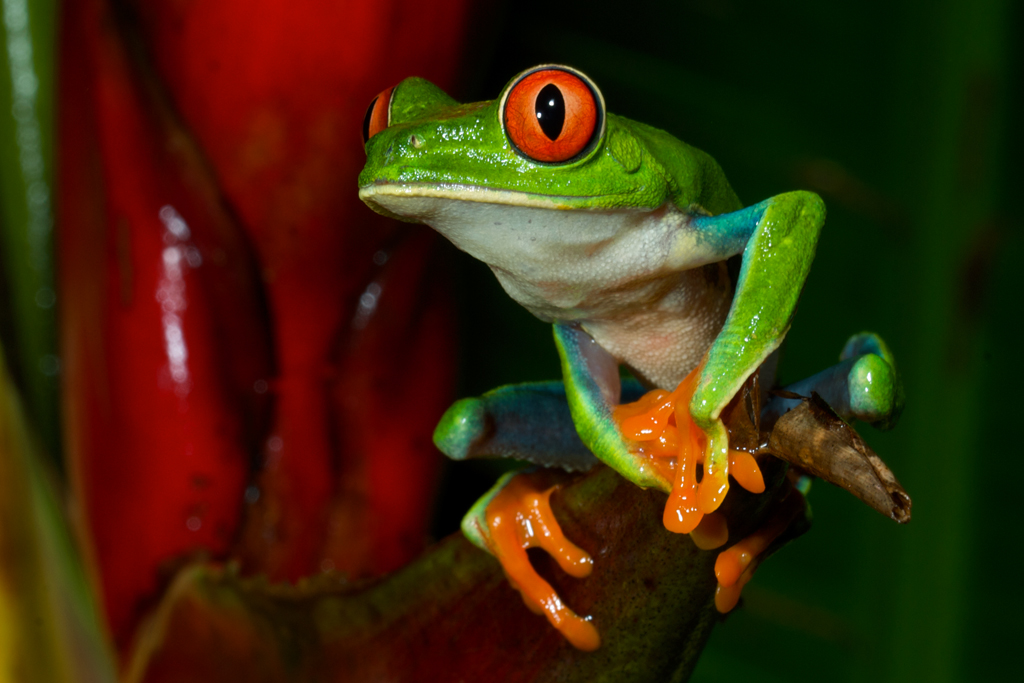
(474, 193)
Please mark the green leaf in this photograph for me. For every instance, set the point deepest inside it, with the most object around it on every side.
(50, 629)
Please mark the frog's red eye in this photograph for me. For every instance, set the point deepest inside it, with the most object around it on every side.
(377, 115)
(552, 115)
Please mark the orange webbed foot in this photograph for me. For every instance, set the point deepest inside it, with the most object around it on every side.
(661, 428)
(520, 517)
(735, 566)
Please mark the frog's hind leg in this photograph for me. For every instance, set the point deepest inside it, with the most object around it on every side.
(865, 385)
(533, 423)
(530, 422)
(789, 518)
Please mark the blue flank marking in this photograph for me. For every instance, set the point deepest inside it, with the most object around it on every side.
(728, 233)
(865, 342)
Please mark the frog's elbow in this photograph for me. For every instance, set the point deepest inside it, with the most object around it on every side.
(811, 205)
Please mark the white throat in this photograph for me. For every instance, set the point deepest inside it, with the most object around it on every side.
(630, 276)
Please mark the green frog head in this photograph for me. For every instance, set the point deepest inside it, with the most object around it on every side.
(547, 141)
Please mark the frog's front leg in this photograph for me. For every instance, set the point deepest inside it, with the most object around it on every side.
(667, 453)
(779, 237)
(593, 389)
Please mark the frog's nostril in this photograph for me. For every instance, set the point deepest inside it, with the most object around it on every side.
(415, 141)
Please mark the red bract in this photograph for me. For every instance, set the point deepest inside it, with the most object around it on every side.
(162, 329)
(214, 255)
(275, 94)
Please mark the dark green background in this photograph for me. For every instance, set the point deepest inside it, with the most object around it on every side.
(902, 115)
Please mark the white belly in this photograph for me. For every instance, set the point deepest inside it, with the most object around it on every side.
(635, 279)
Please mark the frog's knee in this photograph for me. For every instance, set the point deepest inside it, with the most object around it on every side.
(875, 395)
(463, 425)
(875, 383)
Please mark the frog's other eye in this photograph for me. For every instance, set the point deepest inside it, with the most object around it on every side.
(378, 115)
(552, 114)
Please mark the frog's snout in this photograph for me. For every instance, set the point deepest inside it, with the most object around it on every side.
(403, 147)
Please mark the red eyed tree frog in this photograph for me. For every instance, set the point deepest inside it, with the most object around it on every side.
(618, 234)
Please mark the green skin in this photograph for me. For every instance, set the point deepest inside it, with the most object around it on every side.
(623, 249)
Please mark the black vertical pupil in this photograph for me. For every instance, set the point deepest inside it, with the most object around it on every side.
(550, 108)
(367, 118)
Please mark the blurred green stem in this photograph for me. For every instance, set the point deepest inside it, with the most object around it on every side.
(26, 214)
